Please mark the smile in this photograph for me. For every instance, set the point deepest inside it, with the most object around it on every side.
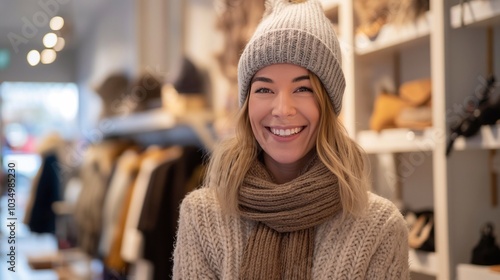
(285, 132)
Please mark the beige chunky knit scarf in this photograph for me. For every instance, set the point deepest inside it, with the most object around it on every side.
(281, 245)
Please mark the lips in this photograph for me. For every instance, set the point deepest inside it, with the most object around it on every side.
(285, 132)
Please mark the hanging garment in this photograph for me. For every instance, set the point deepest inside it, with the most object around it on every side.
(160, 211)
(114, 263)
(126, 170)
(48, 184)
(45, 191)
(132, 244)
(97, 170)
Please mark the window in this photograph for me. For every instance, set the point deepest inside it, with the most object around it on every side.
(31, 111)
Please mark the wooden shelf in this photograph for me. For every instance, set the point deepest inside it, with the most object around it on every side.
(488, 137)
(475, 13)
(395, 37)
(396, 140)
(423, 262)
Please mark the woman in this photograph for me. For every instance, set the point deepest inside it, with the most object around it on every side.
(288, 197)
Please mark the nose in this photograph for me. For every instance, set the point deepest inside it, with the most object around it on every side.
(283, 105)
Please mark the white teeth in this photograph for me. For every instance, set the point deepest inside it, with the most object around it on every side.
(286, 132)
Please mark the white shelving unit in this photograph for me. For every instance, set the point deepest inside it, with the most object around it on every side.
(453, 56)
(470, 272)
(423, 262)
(395, 37)
(397, 140)
(468, 171)
(330, 4)
(488, 137)
(475, 13)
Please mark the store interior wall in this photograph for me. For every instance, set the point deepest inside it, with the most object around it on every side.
(104, 40)
(19, 70)
(22, 27)
(119, 42)
(101, 41)
(202, 43)
(108, 46)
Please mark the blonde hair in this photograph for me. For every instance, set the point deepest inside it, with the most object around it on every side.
(339, 153)
(233, 157)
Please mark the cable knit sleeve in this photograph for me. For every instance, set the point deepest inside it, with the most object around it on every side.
(390, 260)
(189, 259)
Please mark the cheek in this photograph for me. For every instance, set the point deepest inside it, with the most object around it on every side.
(257, 108)
(314, 127)
(255, 114)
(312, 112)
(313, 115)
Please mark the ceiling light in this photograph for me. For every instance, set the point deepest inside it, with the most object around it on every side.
(49, 40)
(48, 56)
(33, 57)
(56, 23)
(60, 44)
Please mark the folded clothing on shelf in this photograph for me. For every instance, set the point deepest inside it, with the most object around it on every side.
(411, 108)
(372, 16)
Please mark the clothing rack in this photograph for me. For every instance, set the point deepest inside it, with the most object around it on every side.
(159, 127)
(149, 138)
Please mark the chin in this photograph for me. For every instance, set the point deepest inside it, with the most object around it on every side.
(286, 157)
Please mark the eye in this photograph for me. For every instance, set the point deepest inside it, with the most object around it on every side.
(304, 89)
(263, 90)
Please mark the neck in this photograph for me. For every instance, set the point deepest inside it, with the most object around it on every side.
(283, 173)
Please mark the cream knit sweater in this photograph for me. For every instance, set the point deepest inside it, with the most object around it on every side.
(210, 245)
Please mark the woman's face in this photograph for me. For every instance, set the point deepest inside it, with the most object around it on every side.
(283, 112)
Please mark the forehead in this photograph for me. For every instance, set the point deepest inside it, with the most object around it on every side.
(282, 71)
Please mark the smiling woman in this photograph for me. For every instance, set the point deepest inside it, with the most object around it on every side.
(287, 197)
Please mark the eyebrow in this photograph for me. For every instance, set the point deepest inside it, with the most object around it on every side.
(267, 80)
(298, 79)
(261, 79)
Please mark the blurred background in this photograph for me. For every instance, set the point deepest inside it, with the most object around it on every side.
(110, 108)
(65, 68)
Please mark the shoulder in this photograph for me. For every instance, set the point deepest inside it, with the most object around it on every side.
(200, 195)
(199, 202)
(202, 208)
(380, 232)
(383, 214)
(380, 218)
(381, 223)
(378, 204)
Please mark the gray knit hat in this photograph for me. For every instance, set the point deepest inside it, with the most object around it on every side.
(296, 33)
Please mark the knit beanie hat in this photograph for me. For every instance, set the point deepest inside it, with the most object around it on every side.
(295, 32)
